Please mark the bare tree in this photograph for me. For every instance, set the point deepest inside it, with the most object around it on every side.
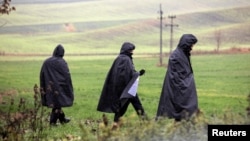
(218, 36)
(5, 7)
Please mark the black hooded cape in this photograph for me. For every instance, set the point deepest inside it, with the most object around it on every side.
(179, 97)
(55, 81)
(118, 80)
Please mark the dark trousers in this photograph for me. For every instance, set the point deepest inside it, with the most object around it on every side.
(135, 101)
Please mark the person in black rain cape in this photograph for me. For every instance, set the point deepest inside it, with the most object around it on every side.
(56, 85)
(178, 96)
(121, 78)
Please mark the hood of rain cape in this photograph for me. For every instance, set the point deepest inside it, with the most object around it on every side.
(55, 81)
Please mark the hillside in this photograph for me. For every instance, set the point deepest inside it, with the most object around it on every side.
(101, 25)
(107, 10)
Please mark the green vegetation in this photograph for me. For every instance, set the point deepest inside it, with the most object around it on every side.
(222, 83)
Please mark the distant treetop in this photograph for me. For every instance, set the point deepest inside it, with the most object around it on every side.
(5, 7)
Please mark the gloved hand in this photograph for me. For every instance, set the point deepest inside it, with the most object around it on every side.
(141, 72)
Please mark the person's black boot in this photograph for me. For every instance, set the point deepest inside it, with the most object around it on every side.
(62, 118)
(53, 117)
(143, 116)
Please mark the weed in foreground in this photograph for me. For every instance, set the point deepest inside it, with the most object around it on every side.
(21, 122)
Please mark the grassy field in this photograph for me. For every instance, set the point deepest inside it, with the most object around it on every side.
(219, 79)
(223, 84)
(101, 26)
(222, 76)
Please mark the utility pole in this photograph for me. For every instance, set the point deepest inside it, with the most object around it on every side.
(171, 31)
(161, 13)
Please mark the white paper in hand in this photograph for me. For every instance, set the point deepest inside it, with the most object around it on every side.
(133, 89)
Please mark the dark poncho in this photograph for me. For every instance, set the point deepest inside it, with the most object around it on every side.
(55, 81)
(120, 74)
(179, 97)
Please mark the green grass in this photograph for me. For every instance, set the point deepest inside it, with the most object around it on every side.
(217, 77)
(223, 83)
